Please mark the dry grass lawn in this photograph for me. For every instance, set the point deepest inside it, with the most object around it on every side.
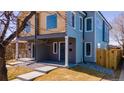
(14, 71)
(75, 74)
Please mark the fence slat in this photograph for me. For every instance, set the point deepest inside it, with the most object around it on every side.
(109, 58)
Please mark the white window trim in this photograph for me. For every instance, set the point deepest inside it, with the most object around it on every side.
(91, 49)
(53, 47)
(80, 24)
(91, 24)
(74, 20)
(46, 21)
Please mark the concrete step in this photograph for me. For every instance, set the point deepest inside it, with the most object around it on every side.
(30, 76)
(26, 59)
(45, 69)
(15, 63)
(8, 66)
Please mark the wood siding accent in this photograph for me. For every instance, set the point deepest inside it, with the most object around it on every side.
(61, 23)
(32, 32)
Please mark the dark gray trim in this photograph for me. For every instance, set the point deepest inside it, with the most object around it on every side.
(26, 38)
(36, 33)
(55, 35)
(44, 36)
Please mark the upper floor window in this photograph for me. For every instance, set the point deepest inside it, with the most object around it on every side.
(27, 27)
(81, 23)
(89, 24)
(105, 32)
(73, 20)
(51, 21)
(103, 29)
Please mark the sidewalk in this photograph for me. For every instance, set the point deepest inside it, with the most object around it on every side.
(122, 73)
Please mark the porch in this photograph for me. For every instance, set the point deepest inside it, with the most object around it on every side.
(59, 50)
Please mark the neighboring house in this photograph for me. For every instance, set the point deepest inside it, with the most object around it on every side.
(66, 37)
(22, 52)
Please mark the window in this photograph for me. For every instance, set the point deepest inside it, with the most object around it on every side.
(89, 24)
(51, 21)
(27, 27)
(81, 23)
(73, 20)
(105, 32)
(88, 49)
(54, 47)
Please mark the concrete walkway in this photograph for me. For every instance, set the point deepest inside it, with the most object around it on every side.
(122, 73)
(30, 76)
(45, 69)
(40, 71)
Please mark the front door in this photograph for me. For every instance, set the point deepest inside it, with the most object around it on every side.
(62, 51)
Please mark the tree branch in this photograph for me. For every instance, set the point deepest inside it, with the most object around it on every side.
(19, 29)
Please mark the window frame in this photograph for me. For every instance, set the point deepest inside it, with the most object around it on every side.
(91, 24)
(81, 30)
(73, 13)
(86, 49)
(56, 21)
(54, 43)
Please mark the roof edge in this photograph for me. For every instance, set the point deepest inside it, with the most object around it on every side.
(110, 27)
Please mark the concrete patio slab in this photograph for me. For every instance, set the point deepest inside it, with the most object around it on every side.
(30, 76)
(27, 63)
(15, 63)
(16, 80)
(45, 69)
(35, 65)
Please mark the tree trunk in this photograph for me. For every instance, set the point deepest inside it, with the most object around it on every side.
(123, 49)
(3, 69)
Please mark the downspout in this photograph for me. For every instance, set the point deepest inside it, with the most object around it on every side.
(83, 37)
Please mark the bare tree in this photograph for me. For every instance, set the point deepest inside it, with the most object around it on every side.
(8, 31)
(118, 29)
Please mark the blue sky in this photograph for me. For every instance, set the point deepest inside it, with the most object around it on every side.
(110, 15)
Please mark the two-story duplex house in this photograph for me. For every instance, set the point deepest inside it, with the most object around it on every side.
(66, 37)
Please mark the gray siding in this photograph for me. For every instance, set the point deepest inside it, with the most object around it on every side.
(89, 37)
